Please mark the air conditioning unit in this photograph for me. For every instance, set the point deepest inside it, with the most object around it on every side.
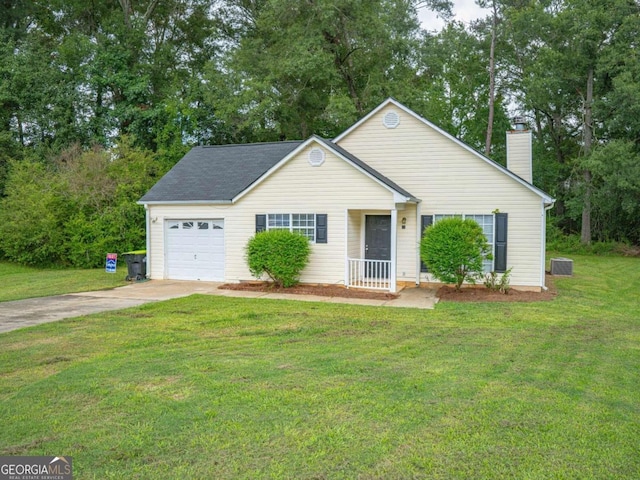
(562, 266)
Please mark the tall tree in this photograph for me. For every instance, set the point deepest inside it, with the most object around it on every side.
(104, 68)
(297, 68)
(453, 86)
(614, 174)
(619, 67)
(556, 50)
(492, 72)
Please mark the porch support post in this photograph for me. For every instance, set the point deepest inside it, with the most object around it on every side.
(346, 248)
(394, 254)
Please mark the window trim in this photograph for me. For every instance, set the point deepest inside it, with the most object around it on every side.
(290, 226)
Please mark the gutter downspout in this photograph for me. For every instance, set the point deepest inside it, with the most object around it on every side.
(418, 240)
(543, 253)
(148, 239)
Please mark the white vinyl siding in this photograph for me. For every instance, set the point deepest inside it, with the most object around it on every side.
(355, 234)
(448, 178)
(407, 266)
(519, 154)
(332, 188)
(444, 175)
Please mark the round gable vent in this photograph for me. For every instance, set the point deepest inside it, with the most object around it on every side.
(316, 157)
(391, 119)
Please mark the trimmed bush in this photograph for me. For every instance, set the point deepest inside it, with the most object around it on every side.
(280, 254)
(453, 250)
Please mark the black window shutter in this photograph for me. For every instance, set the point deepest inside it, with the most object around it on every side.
(261, 223)
(500, 254)
(321, 228)
(425, 221)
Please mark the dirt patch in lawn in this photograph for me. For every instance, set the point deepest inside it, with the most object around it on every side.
(305, 289)
(482, 294)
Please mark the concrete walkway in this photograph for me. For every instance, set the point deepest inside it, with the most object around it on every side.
(34, 311)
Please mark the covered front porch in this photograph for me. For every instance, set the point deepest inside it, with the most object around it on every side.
(381, 248)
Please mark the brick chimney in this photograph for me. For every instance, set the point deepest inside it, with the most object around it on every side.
(519, 150)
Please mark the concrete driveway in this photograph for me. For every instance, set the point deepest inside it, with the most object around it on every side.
(34, 311)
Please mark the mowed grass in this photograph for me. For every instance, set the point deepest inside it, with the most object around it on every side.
(18, 282)
(226, 388)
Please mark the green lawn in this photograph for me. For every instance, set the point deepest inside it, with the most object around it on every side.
(215, 387)
(18, 282)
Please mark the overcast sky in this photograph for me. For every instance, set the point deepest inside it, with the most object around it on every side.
(464, 11)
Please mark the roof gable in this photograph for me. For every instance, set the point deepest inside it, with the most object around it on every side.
(390, 101)
(225, 173)
(364, 167)
(401, 195)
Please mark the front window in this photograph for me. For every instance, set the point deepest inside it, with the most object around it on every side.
(486, 223)
(302, 223)
(279, 221)
(305, 224)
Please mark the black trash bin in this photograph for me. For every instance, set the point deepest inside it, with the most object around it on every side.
(136, 265)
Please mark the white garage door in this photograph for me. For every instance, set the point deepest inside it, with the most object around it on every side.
(195, 249)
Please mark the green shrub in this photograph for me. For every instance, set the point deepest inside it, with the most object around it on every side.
(571, 244)
(75, 208)
(31, 216)
(498, 284)
(280, 254)
(453, 250)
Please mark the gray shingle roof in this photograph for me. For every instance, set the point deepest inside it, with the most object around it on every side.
(217, 173)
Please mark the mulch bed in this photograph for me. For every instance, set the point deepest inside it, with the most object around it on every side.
(305, 289)
(445, 294)
(482, 294)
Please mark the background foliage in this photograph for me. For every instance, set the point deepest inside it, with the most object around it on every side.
(77, 207)
(168, 74)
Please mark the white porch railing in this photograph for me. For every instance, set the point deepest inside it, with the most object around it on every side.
(373, 274)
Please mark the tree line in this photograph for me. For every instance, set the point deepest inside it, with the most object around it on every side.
(98, 99)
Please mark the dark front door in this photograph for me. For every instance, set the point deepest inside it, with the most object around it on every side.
(377, 244)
